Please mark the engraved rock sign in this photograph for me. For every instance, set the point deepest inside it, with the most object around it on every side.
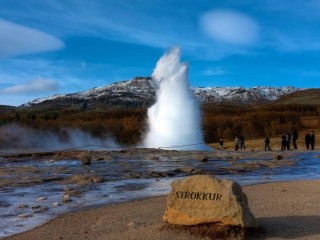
(205, 199)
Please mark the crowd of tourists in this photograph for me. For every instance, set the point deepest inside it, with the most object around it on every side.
(239, 143)
(286, 139)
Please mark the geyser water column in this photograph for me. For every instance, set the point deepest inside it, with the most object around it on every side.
(175, 119)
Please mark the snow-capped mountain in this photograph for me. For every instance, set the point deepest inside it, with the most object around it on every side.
(141, 91)
(240, 95)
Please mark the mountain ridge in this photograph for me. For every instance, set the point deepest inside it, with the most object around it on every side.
(141, 92)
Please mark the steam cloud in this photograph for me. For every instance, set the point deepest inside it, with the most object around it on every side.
(17, 137)
(174, 120)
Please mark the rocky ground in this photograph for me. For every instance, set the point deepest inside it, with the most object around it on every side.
(72, 174)
(26, 169)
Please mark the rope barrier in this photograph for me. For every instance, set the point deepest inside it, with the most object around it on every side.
(104, 146)
(277, 142)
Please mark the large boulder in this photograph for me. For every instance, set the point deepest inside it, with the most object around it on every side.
(204, 199)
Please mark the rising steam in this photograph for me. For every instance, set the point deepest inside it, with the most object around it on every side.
(175, 119)
(14, 136)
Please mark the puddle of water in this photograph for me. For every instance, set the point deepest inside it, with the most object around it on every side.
(15, 219)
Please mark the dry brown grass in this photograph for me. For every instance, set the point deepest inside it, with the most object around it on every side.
(127, 127)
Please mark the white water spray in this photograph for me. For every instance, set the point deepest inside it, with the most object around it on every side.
(175, 119)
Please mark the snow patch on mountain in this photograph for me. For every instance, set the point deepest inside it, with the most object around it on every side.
(241, 94)
(143, 89)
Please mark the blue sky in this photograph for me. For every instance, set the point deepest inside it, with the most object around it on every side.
(62, 46)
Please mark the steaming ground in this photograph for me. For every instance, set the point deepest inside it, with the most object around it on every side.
(14, 136)
(175, 119)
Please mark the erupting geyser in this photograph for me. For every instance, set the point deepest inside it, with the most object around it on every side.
(175, 119)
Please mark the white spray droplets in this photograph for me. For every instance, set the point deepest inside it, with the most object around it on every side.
(175, 119)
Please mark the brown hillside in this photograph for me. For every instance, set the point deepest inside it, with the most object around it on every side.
(5, 108)
(309, 96)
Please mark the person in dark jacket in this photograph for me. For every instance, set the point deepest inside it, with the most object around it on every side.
(267, 143)
(221, 143)
(236, 143)
(241, 143)
(294, 138)
(287, 139)
(312, 140)
(283, 142)
(307, 139)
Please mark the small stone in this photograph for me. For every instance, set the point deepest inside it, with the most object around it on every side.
(41, 198)
(68, 192)
(56, 204)
(41, 209)
(277, 157)
(23, 216)
(66, 196)
(97, 179)
(203, 158)
(66, 200)
(131, 224)
(35, 207)
(85, 158)
(22, 206)
(136, 224)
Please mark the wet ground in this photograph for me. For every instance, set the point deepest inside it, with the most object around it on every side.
(35, 187)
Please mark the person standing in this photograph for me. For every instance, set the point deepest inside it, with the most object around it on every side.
(287, 139)
(294, 139)
(221, 143)
(267, 143)
(241, 143)
(312, 140)
(236, 143)
(307, 139)
(283, 142)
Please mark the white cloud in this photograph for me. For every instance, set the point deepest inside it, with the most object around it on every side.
(230, 27)
(19, 40)
(33, 86)
(213, 72)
